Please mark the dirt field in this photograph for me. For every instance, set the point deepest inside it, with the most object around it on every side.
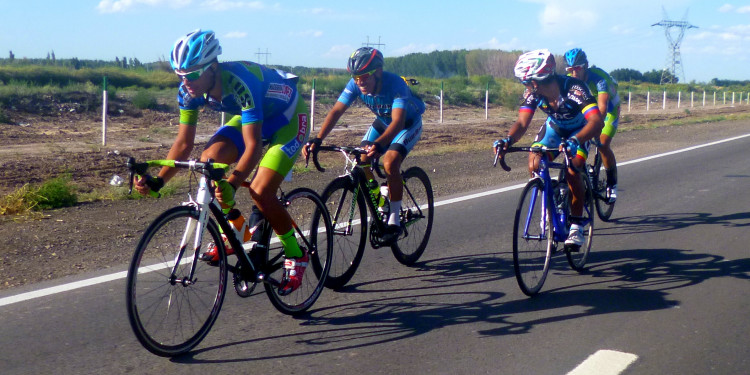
(64, 138)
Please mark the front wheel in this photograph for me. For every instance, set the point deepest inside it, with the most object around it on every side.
(348, 210)
(532, 238)
(577, 259)
(417, 214)
(314, 232)
(173, 298)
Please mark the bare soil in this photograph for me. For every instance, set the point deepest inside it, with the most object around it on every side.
(49, 138)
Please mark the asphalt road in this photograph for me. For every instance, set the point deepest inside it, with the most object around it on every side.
(666, 292)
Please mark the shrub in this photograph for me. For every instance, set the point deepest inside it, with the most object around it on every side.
(55, 193)
(144, 100)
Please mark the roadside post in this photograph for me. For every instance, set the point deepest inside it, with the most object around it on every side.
(441, 102)
(104, 111)
(487, 101)
(312, 107)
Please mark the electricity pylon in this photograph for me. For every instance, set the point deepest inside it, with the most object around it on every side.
(674, 59)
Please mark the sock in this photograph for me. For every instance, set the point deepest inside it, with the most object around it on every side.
(612, 176)
(393, 217)
(291, 247)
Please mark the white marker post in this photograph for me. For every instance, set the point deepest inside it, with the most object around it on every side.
(312, 108)
(487, 101)
(104, 111)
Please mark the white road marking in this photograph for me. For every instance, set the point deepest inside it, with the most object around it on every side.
(121, 275)
(605, 362)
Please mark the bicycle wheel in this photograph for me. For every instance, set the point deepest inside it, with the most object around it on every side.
(417, 213)
(599, 185)
(577, 259)
(171, 313)
(348, 212)
(314, 232)
(532, 238)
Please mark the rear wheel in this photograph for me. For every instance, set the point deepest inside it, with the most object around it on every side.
(417, 214)
(532, 238)
(171, 312)
(315, 233)
(599, 185)
(577, 259)
(348, 210)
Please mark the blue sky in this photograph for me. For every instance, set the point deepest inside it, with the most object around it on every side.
(323, 33)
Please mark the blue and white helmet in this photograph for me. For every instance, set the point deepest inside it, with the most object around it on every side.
(194, 50)
(576, 57)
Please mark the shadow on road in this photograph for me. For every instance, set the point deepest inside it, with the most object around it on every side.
(622, 281)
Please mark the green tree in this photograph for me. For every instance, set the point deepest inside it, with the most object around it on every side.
(627, 75)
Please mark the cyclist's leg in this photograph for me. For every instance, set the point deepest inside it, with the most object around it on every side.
(284, 148)
(574, 180)
(547, 137)
(608, 157)
(226, 145)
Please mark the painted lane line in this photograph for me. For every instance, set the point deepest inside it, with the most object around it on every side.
(605, 362)
(121, 275)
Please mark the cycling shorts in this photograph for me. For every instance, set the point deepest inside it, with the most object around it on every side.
(403, 142)
(284, 146)
(549, 138)
(610, 123)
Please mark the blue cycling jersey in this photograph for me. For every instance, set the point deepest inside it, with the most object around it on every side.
(394, 93)
(254, 91)
(576, 106)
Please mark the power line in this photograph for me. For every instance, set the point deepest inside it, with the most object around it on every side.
(674, 58)
(262, 53)
(377, 45)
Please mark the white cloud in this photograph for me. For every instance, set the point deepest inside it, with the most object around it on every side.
(413, 48)
(726, 8)
(339, 51)
(745, 9)
(116, 6)
(307, 34)
(494, 43)
(235, 35)
(222, 5)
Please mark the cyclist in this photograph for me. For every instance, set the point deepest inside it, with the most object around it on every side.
(396, 129)
(604, 87)
(572, 113)
(266, 109)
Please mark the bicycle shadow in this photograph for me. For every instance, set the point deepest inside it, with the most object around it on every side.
(665, 222)
(622, 281)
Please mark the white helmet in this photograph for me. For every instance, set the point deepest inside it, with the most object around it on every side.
(535, 66)
(195, 50)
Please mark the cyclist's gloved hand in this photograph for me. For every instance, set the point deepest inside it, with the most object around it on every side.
(572, 145)
(502, 144)
(149, 185)
(225, 195)
(310, 146)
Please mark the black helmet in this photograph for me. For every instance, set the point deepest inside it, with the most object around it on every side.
(364, 60)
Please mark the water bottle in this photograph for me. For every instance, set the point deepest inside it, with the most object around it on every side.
(383, 205)
(239, 225)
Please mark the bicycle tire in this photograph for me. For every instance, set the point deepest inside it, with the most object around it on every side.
(348, 214)
(604, 208)
(169, 317)
(313, 226)
(532, 247)
(417, 214)
(577, 259)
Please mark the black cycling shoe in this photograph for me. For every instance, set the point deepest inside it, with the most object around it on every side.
(392, 232)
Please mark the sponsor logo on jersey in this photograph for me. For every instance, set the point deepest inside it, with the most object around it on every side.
(293, 146)
(279, 91)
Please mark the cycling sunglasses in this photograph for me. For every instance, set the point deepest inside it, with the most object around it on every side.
(364, 76)
(576, 68)
(194, 75)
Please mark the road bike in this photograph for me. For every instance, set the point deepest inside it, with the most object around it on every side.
(350, 196)
(598, 177)
(542, 221)
(174, 297)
